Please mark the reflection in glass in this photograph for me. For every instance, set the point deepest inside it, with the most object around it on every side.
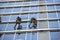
(58, 7)
(5, 18)
(24, 16)
(33, 15)
(8, 37)
(52, 15)
(13, 17)
(57, 1)
(10, 27)
(55, 35)
(3, 27)
(50, 7)
(53, 24)
(20, 37)
(49, 1)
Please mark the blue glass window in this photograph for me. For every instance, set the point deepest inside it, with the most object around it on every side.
(24, 25)
(58, 7)
(26, 3)
(33, 8)
(25, 9)
(57, 1)
(18, 3)
(52, 15)
(55, 35)
(50, 8)
(20, 37)
(16, 9)
(33, 15)
(28, 36)
(49, 1)
(5, 18)
(13, 17)
(8, 37)
(53, 24)
(3, 27)
(34, 2)
(3, 4)
(31, 36)
(1, 10)
(24, 16)
(8, 10)
(58, 14)
(11, 4)
(10, 27)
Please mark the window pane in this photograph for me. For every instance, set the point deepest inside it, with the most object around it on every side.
(10, 27)
(13, 17)
(49, 1)
(34, 2)
(8, 37)
(20, 37)
(33, 15)
(26, 3)
(18, 3)
(1, 10)
(57, 1)
(55, 35)
(25, 9)
(33, 9)
(16, 9)
(3, 27)
(8, 10)
(52, 15)
(11, 4)
(24, 25)
(24, 16)
(53, 24)
(28, 36)
(50, 8)
(58, 7)
(5, 18)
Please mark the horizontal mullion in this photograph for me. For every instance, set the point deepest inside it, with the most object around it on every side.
(27, 20)
(27, 5)
(27, 12)
(14, 1)
(30, 30)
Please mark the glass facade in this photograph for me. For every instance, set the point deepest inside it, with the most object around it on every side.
(47, 13)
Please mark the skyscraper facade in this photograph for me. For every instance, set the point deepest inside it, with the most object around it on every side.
(46, 12)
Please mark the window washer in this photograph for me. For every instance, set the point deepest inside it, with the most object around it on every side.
(33, 23)
(18, 22)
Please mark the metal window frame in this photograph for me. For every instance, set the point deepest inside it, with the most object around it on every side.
(30, 30)
(26, 12)
(27, 5)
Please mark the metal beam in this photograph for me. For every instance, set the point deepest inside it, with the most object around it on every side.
(30, 30)
(16, 6)
(26, 20)
(27, 12)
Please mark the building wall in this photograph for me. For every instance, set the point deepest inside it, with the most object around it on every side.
(47, 13)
